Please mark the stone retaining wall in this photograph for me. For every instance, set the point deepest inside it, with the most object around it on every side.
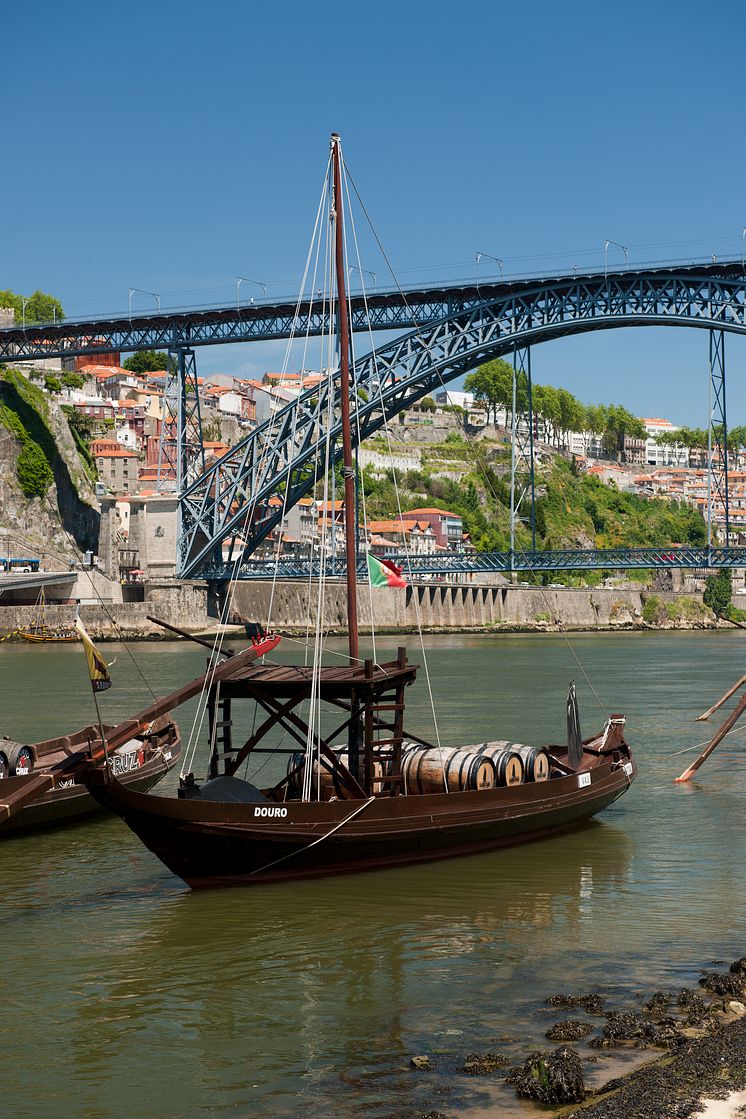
(432, 606)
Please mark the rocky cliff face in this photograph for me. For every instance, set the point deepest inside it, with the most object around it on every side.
(64, 520)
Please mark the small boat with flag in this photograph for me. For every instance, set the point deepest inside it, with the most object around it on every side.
(39, 630)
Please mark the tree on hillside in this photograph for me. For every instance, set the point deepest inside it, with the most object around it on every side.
(147, 361)
(619, 426)
(492, 384)
(718, 592)
(40, 307)
(695, 438)
(547, 409)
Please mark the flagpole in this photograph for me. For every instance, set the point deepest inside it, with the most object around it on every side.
(98, 673)
(100, 724)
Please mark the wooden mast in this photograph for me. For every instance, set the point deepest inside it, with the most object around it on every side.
(344, 390)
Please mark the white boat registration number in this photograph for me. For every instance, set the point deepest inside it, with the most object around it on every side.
(584, 779)
(628, 768)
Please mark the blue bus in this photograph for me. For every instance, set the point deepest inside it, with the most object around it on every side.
(15, 563)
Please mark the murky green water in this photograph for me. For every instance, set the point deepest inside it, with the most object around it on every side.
(126, 995)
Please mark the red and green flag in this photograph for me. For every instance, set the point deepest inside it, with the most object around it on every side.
(384, 573)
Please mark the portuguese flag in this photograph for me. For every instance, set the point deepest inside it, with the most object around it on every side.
(384, 573)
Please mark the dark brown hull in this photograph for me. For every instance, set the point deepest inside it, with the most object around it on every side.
(209, 843)
(59, 806)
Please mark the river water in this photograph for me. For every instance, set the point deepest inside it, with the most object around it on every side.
(124, 994)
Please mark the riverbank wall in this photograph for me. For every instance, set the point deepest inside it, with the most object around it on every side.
(435, 607)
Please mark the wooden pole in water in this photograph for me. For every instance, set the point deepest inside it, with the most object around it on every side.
(719, 735)
(723, 699)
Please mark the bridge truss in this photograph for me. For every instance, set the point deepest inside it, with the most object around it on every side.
(284, 455)
(453, 564)
(456, 328)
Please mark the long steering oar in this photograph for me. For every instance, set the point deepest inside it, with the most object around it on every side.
(719, 735)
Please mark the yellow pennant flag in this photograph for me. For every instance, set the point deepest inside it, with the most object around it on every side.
(98, 669)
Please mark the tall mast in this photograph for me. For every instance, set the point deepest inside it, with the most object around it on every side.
(344, 390)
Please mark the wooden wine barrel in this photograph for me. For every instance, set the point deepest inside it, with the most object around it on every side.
(536, 765)
(428, 769)
(535, 762)
(16, 759)
(329, 783)
(508, 763)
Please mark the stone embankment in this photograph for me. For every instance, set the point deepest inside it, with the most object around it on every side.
(435, 607)
(440, 607)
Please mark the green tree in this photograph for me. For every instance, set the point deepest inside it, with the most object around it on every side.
(547, 408)
(492, 384)
(718, 592)
(39, 307)
(147, 361)
(52, 383)
(621, 425)
(73, 380)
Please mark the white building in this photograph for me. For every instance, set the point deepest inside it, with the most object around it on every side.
(657, 454)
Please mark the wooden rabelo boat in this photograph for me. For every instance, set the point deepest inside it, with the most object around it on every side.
(138, 763)
(364, 793)
(226, 831)
(360, 791)
(40, 631)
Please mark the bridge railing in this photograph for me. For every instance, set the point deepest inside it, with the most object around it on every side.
(289, 297)
(455, 563)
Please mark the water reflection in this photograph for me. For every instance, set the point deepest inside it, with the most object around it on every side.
(142, 998)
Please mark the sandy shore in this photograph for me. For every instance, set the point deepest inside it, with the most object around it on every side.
(734, 1107)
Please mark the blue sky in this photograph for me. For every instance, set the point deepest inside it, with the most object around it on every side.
(173, 147)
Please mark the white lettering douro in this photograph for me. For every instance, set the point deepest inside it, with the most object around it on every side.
(271, 811)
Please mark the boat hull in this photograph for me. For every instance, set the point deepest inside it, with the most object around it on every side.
(223, 844)
(72, 800)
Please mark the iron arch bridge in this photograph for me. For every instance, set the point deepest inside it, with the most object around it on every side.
(285, 455)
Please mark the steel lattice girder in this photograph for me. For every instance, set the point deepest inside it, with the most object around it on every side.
(285, 453)
(718, 464)
(181, 453)
(522, 448)
(714, 291)
(590, 559)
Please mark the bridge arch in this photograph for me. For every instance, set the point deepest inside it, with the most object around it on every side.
(284, 450)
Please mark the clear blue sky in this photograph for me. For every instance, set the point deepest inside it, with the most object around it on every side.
(173, 146)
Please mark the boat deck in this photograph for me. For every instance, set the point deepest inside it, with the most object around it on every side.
(333, 681)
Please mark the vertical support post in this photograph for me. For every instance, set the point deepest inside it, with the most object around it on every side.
(522, 453)
(717, 466)
(191, 448)
(188, 459)
(180, 452)
(168, 440)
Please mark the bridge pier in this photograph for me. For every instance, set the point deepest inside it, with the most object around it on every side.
(717, 450)
(522, 453)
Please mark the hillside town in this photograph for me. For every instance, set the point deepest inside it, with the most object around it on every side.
(122, 419)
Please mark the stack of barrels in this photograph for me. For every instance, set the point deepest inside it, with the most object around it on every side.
(325, 784)
(430, 769)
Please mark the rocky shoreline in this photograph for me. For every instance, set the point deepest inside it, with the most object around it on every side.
(697, 1038)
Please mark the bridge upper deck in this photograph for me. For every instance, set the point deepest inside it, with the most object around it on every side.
(263, 320)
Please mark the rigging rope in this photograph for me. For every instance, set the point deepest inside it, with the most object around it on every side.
(426, 345)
